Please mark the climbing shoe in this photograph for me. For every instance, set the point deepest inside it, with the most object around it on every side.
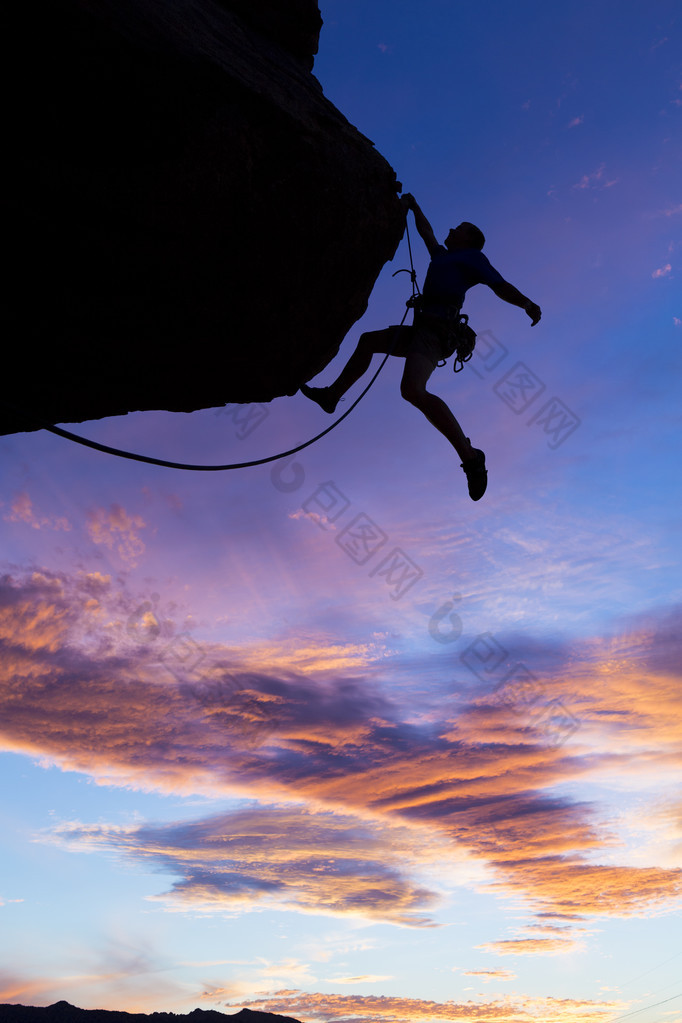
(321, 395)
(476, 474)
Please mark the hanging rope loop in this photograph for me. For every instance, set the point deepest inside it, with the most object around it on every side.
(119, 452)
(464, 350)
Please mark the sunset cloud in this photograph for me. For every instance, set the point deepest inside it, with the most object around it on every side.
(117, 531)
(385, 812)
(488, 975)
(22, 510)
(377, 1009)
(531, 946)
(275, 858)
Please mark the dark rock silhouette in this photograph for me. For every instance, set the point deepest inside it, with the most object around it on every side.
(194, 223)
(62, 1012)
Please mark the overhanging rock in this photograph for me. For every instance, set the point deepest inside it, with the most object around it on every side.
(195, 222)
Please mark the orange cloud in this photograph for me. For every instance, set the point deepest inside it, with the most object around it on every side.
(530, 946)
(569, 885)
(488, 975)
(378, 1009)
(410, 804)
(40, 617)
(311, 657)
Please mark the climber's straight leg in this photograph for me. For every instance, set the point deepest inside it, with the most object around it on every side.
(418, 369)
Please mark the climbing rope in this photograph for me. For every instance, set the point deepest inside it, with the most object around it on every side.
(119, 452)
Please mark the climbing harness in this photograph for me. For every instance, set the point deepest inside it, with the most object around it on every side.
(453, 329)
(107, 449)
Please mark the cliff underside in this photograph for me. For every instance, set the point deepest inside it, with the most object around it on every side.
(193, 222)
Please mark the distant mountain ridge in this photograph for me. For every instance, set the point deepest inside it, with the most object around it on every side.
(63, 1012)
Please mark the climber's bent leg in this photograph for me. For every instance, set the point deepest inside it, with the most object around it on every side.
(370, 343)
(418, 369)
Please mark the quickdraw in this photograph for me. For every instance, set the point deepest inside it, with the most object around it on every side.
(465, 341)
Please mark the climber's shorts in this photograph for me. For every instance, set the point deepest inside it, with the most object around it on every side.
(426, 336)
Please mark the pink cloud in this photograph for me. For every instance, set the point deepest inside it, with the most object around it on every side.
(662, 271)
(21, 510)
(596, 179)
(117, 530)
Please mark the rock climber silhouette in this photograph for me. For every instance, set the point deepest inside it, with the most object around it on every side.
(454, 268)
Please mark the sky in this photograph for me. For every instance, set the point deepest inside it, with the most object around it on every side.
(324, 737)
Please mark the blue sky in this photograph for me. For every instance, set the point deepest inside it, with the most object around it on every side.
(248, 762)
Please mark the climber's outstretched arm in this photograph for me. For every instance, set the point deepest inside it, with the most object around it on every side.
(508, 293)
(423, 226)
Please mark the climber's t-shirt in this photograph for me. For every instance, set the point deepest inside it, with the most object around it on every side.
(451, 274)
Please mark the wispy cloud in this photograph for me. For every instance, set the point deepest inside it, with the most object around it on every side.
(531, 946)
(487, 975)
(364, 978)
(596, 179)
(113, 970)
(662, 271)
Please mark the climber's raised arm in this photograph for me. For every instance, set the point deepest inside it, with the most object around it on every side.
(423, 226)
(508, 293)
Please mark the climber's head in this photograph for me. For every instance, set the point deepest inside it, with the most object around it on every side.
(466, 236)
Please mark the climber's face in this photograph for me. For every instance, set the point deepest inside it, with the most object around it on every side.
(458, 238)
